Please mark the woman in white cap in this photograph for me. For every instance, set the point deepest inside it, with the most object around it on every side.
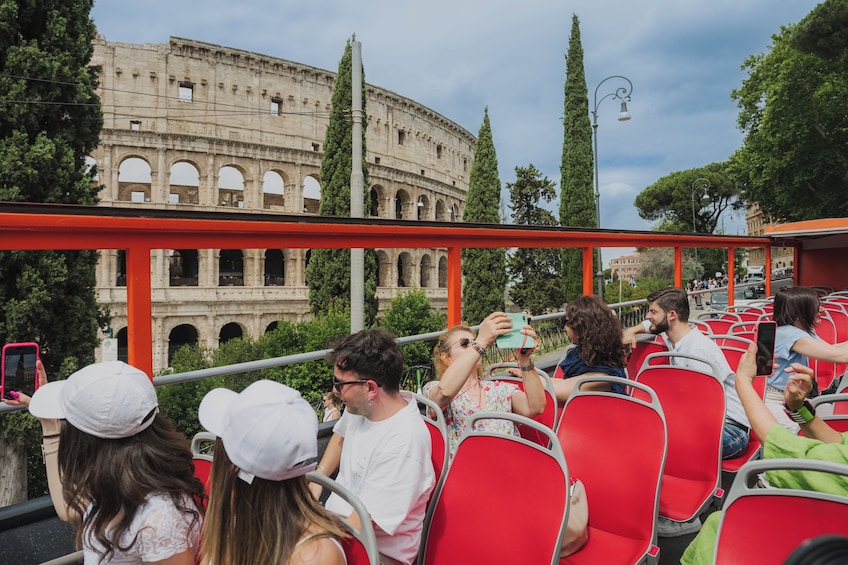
(116, 468)
(260, 508)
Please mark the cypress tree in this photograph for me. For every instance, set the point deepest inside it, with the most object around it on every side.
(50, 121)
(577, 207)
(328, 270)
(484, 270)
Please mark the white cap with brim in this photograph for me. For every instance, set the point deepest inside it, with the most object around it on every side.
(109, 400)
(269, 430)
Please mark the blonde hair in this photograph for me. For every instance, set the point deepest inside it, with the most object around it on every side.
(259, 522)
(444, 344)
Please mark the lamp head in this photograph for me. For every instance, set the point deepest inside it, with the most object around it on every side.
(624, 115)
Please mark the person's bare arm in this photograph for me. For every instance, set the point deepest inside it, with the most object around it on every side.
(759, 416)
(329, 462)
(563, 388)
(797, 388)
(531, 401)
(818, 349)
(629, 335)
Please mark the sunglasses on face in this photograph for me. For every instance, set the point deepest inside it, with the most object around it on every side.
(339, 385)
(463, 343)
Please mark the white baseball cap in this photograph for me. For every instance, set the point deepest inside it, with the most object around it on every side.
(109, 400)
(269, 430)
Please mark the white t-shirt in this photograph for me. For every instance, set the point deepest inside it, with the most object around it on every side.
(162, 530)
(696, 343)
(387, 465)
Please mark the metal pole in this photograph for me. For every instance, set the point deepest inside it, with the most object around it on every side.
(357, 194)
(704, 184)
(622, 93)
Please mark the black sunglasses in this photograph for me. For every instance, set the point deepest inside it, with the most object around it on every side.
(463, 343)
(339, 385)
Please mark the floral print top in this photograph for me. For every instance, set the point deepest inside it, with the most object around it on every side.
(498, 398)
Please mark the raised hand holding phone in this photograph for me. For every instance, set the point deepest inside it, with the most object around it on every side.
(516, 339)
(19, 366)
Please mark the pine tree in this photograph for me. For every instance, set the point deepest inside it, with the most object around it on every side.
(328, 270)
(534, 272)
(484, 269)
(576, 206)
(50, 121)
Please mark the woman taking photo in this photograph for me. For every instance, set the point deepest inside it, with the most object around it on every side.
(332, 406)
(458, 359)
(116, 468)
(797, 310)
(260, 507)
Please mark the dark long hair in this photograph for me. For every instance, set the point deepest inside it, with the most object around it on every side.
(598, 331)
(259, 522)
(796, 306)
(115, 477)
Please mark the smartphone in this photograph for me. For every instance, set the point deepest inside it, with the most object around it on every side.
(515, 339)
(765, 347)
(19, 372)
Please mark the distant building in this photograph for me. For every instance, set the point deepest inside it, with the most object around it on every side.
(626, 267)
(782, 258)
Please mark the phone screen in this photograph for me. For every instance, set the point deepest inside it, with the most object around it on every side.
(19, 373)
(765, 347)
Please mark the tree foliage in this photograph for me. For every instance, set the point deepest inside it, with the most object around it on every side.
(670, 200)
(328, 270)
(181, 401)
(411, 314)
(576, 206)
(50, 121)
(484, 269)
(534, 272)
(794, 161)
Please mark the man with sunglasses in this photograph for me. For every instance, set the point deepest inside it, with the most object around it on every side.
(380, 445)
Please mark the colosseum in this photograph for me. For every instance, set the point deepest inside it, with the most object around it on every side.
(194, 126)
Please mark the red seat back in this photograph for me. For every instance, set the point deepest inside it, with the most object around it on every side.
(504, 500)
(639, 353)
(750, 530)
(693, 404)
(547, 418)
(601, 434)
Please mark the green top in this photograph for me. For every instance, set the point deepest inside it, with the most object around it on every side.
(780, 443)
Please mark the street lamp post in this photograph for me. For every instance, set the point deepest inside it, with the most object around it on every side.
(700, 184)
(622, 93)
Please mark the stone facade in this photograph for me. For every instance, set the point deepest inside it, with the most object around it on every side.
(194, 126)
(782, 258)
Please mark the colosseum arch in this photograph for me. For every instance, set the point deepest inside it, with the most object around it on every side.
(441, 213)
(184, 183)
(425, 271)
(134, 180)
(443, 272)
(378, 195)
(230, 187)
(275, 267)
(454, 213)
(123, 345)
(272, 326)
(231, 267)
(183, 267)
(422, 207)
(121, 268)
(402, 202)
(184, 334)
(230, 331)
(273, 191)
(384, 269)
(405, 270)
(311, 194)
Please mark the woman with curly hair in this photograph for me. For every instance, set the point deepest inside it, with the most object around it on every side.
(116, 468)
(596, 334)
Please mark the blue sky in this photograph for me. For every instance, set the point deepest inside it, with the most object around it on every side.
(458, 57)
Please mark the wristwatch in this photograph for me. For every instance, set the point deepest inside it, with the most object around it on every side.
(803, 415)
